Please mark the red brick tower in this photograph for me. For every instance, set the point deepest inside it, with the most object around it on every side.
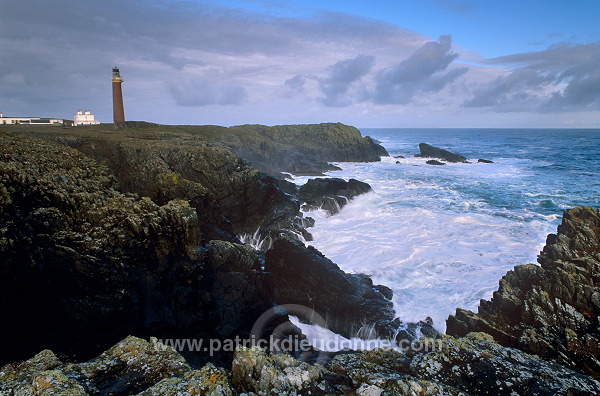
(118, 112)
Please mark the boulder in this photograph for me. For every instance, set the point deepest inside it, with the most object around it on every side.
(550, 310)
(484, 161)
(428, 151)
(302, 275)
(330, 194)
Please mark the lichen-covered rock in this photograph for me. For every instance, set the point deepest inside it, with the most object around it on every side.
(133, 365)
(253, 370)
(478, 365)
(209, 381)
(381, 372)
(550, 310)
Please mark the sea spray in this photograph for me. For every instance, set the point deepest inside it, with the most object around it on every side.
(442, 237)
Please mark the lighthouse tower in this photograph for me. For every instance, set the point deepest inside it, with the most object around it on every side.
(118, 112)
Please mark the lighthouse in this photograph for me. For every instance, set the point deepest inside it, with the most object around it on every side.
(118, 112)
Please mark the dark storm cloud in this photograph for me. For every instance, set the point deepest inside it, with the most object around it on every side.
(561, 78)
(342, 76)
(422, 71)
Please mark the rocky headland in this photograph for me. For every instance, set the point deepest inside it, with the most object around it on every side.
(103, 235)
(110, 239)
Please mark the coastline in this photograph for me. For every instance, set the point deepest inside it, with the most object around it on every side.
(209, 242)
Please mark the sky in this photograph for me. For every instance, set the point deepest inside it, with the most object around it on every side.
(376, 63)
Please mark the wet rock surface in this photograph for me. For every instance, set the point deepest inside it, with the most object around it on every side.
(550, 310)
(428, 151)
(330, 194)
(302, 275)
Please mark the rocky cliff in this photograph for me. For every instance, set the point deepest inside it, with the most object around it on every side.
(551, 310)
(136, 240)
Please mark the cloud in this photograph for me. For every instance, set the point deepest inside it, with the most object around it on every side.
(342, 76)
(561, 78)
(419, 72)
(201, 92)
(175, 54)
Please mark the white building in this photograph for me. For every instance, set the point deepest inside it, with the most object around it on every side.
(31, 121)
(84, 118)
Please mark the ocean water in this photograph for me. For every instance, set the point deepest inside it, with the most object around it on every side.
(441, 237)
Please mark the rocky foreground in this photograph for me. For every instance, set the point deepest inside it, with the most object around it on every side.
(470, 364)
(108, 241)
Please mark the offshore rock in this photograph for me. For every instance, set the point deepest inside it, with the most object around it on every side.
(550, 310)
(434, 162)
(84, 265)
(428, 151)
(484, 161)
(302, 275)
(330, 194)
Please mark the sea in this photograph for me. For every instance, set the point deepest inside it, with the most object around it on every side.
(441, 237)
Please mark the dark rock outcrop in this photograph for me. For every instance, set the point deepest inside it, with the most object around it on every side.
(330, 194)
(484, 161)
(302, 275)
(434, 162)
(84, 265)
(428, 151)
(550, 310)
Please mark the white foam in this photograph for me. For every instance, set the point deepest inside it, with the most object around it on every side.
(421, 237)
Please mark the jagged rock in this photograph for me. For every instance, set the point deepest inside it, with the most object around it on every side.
(550, 310)
(253, 370)
(474, 365)
(428, 151)
(434, 162)
(478, 365)
(302, 275)
(330, 194)
(484, 161)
